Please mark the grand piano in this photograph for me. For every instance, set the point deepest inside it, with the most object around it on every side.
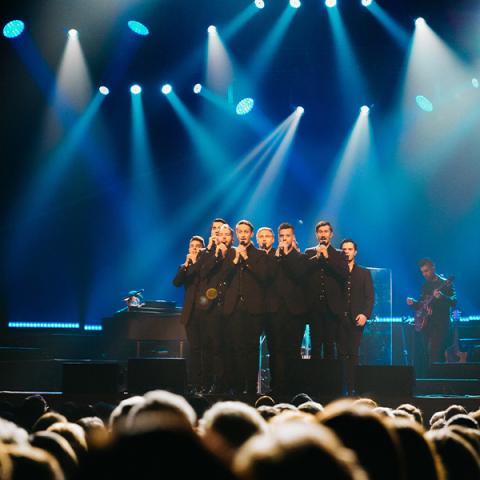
(155, 324)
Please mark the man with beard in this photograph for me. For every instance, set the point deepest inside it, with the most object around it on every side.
(244, 307)
(433, 308)
(359, 296)
(326, 277)
(213, 277)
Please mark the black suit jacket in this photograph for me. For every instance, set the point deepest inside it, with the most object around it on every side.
(247, 279)
(359, 292)
(213, 275)
(333, 272)
(286, 283)
(188, 277)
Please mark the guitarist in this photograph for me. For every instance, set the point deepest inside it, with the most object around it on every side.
(438, 296)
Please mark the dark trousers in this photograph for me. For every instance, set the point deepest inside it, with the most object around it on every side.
(243, 335)
(284, 335)
(430, 345)
(323, 332)
(195, 336)
(214, 347)
(349, 336)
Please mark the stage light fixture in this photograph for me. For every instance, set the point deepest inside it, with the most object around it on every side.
(331, 3)
(259, 3)
(364, 110)
(104, 90)
(13, 29)
(420, 21)
(295, 3)
(367, 3)
(197, 88)
(135, 89)
(244, 106)
(72, 33)
(138, 27)
(424, 103)
(212, 29)
(300, 110)
(166, 89)
(475, 83)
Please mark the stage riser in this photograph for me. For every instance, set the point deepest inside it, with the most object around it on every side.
(455, 370)
(447, 386)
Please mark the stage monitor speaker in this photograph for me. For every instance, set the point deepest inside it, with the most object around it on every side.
(387, 380)
(317, 377)
(145, 374)
(90, 377)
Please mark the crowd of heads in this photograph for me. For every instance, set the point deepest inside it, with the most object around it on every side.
(161, 434)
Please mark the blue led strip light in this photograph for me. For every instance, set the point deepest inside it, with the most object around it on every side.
(42, 325)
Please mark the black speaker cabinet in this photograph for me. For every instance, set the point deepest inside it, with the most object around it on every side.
(387, 380)
(90, 377)
(146, 374)
(317, 377)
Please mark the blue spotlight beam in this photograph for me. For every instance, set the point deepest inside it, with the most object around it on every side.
(246, 181)
(32, 58)
(263, 57)
(45, 184)
(238, 22)
(214, 157)
(398, 33)
(354, 152)
(219, 74)
(350, 74)
(212, 198)
(271, 180)
(217, 100)
(143, 175)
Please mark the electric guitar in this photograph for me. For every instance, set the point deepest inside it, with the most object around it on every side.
(424, 310)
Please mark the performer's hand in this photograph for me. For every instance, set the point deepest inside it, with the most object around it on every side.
(437, 293)
(237, 256)
(295, 245)
(242, 250)
(190, 259)
(221, 250)
(322, 250)
(410, 301)
(211, 242)
(278, 252)
(361, 320)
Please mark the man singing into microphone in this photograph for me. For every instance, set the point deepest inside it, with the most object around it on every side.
(265, 240)
(214, 232)
(188, 277)
(244, 307)
(288, 309)
(326, 277)
(213, 279)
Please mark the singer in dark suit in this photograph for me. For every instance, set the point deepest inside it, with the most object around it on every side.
(213, 272)
(244, 307)
(359, 301)
(326, 277)
(288, 308)
(188, 277)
